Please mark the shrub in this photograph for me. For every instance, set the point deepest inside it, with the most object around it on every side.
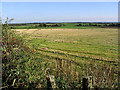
(16, 56)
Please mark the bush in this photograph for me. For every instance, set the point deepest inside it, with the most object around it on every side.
(16, 59)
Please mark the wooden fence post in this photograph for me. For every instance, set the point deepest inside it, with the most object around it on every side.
(88, 82)
(51, 81)
(85, 83)
(57, 67)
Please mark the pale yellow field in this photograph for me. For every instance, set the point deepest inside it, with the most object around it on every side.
(97, 41)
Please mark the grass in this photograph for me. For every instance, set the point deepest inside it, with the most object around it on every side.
(83, 47)
(69, 53)
(96, 42)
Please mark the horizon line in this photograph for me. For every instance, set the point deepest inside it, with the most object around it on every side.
(64, 22)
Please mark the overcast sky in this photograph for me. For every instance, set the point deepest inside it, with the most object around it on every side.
(60, 11)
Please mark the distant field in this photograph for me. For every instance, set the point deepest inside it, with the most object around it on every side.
(89, 42)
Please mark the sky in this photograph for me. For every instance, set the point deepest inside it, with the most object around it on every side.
(60, 0)
(23, 12)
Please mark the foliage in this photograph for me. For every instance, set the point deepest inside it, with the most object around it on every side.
(18, 61)
(63, 25)
(28, 60)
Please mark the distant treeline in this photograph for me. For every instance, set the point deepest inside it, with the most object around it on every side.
(39, 24)
(65, 25)
(62, 24)
(29, 26)
(99, 25)
(51, 25)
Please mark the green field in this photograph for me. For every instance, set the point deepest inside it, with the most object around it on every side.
(65, 55)
(88, 50)
(88, 42)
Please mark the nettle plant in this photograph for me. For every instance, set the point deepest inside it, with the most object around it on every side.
(7, 49)
(8, 41)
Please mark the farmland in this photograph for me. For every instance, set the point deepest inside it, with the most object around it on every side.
(96, 42)
(69, 53)
(60, 45)
(62, 25)
(97, 47)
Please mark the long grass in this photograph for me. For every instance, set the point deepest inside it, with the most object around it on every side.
(67, 54)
